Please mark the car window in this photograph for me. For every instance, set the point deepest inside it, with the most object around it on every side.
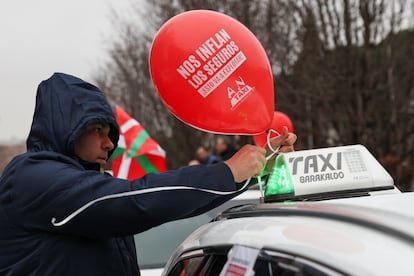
(271, 263)
(268, 263)
(156, 245)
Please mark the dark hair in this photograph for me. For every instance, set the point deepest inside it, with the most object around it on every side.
(226, 139)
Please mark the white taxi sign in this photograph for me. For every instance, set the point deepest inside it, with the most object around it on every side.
(329, 169)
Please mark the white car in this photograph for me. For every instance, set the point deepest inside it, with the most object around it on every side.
(332, 211)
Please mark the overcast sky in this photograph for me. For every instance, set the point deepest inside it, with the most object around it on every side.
(39, 38)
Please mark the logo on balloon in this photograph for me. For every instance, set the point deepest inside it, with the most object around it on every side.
(212, 73)
(240, 93)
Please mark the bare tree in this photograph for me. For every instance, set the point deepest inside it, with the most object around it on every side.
(352, 77)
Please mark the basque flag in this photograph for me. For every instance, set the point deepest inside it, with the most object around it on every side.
(137, 154)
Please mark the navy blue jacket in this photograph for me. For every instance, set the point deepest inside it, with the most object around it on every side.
(48, 181)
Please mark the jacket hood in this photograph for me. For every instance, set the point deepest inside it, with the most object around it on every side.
(65, 105)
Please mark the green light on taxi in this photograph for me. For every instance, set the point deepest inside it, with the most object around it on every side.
(280, 181)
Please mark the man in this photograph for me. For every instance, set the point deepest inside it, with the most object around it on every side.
(204, 157)
(73, 133)
(223, 147)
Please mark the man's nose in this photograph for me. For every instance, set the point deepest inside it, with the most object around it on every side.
(107, 143)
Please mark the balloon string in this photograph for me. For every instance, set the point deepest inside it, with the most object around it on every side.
(139, 192)
(270, 131)
(274, 151)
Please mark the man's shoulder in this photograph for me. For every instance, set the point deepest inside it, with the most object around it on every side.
(37, 161)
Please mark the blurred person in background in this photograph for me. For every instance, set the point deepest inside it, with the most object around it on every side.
(205, 157)
(224, 148)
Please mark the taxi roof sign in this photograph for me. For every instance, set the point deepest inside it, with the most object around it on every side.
(325, 170)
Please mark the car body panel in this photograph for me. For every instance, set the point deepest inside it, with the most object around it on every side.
(358, 236)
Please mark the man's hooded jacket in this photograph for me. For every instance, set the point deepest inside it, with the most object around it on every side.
(49, 181)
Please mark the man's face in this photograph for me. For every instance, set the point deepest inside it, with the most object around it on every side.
(202, 154)
(94, 144)
(220, 146)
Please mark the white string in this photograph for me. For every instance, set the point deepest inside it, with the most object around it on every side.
(270, 131)
(139, 192)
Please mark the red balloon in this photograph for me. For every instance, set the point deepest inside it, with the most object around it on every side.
(212, 73)
(279, 121)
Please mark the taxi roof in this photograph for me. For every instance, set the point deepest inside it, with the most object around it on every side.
(358, 235)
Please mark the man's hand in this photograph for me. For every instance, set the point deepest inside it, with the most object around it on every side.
(285, 141)
(249, 160)
(282, 143)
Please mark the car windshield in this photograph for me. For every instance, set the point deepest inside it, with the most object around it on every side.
(155, 246)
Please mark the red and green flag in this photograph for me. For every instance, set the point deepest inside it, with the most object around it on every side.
(137, 154)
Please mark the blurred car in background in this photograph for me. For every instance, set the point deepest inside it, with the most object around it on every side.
(332, 211)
